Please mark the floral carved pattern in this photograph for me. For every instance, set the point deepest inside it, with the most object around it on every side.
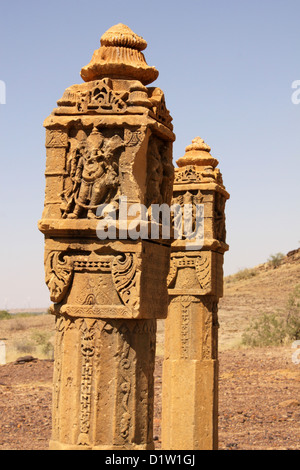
(185, 326)
(88, 352)
(125, 382)
(126, 279)
(59, 273)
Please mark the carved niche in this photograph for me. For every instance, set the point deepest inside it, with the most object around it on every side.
(189, 202)
(160, 172)
(92, 165)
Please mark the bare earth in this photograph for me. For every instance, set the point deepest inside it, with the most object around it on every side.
(259, 388)
(259, 402)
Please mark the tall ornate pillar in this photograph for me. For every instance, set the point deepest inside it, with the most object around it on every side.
(190, 369)
(109, 142)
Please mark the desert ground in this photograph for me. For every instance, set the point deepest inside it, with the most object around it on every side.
(259, 402)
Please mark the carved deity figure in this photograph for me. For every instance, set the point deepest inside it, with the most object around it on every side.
(189, 210)
(94, 171)
(160, 174)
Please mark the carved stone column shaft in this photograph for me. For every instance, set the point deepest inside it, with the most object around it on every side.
(104, 388)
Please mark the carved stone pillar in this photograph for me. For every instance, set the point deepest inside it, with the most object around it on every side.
(190, 369)
(110, 138)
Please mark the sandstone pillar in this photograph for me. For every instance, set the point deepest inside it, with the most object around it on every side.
(109, 139)
(190, 370)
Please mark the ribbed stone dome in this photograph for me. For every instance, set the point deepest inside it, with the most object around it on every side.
(120, 56)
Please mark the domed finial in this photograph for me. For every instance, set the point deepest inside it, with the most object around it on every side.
(121, 35)
(120, 56)
(197, 153)
(198, 144)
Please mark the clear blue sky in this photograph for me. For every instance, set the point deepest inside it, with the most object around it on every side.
(226, 67)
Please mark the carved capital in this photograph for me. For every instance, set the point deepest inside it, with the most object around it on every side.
(202, 266)
(197, 274)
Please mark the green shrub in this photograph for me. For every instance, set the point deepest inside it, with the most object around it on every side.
(4, 315)
(245, 274)
(293, 315)
(276, 329)
(267, 330)
(48, 350)
(42, 340)
(276, 260)
(26, 347)
(241, 275)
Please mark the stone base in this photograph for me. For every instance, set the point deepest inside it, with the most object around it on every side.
(190, 405)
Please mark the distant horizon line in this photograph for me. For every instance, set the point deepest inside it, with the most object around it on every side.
(26, 310)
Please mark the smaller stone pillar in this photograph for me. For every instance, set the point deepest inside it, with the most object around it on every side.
(190, 370)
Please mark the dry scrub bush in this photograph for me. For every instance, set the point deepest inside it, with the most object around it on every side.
(277, 328)
(275, 260)
(241, 275)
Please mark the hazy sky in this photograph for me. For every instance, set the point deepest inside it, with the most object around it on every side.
(226, 67)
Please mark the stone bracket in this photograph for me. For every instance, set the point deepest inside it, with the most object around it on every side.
(198, 273)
